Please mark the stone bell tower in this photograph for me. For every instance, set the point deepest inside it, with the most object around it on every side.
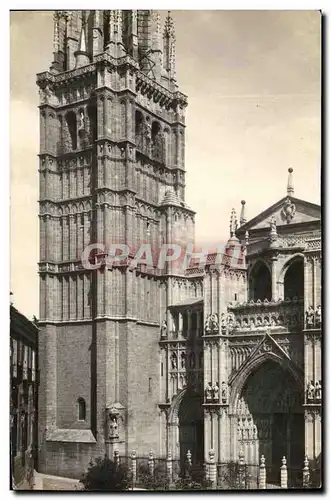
(111, 165)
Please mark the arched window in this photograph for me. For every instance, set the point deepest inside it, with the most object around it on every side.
(139, 130)
(81, 409)
(72, 128)
(260, 282)
(294, 280)
(92, 120)
(158, 143)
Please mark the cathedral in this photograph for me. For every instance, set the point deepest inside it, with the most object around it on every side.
(224, 356)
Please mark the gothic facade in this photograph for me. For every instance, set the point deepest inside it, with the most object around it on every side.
(224, 356)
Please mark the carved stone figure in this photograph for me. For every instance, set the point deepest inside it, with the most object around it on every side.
(231, 319)
(209, 392)
(182, 360)
(273, 226)
(113, 427)
(318, 390)
(310, 391)
(81, 120)
(224, 392)
(208, 324)
(310, 317)
(254, 432)
(164, 329)
(173, 360)
(216, 395)
(318, 317)
(148, 135)
(288, 211)
(214, 322)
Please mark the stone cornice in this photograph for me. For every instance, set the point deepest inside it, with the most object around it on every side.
(65, 77)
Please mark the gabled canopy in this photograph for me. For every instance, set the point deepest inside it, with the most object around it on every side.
(287, 211)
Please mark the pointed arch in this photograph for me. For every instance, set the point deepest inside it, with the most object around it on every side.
(252, 365)
(259, 279)
(291, 277)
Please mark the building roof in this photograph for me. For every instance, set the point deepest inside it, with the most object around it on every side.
(188, 302)
(20, 325)
(302, 212)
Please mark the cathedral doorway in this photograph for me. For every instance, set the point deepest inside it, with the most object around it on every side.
(191, 429)
(270, 419)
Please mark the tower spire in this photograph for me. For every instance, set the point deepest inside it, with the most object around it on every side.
(81, 55)
(115, 46)
(169, 47)
(233, 223)
(290, 185)
(242, 219)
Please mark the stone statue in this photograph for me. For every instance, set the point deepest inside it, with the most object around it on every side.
(254, 432)
(164, 329)
(224, 392)
(288, 210)
(209, 392)
(318, 316)
(182, 360)
(208, 324)
(310, 391)
(310, 317)
(148, 135)
(223, 321)
(214, 322)
(273, 226)
(81, 120)
(216, 395)
(231, 319)
(318, 390)
(173, 360)
(113, 427)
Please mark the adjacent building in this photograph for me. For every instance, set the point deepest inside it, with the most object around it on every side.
(23, 398)
(224, 356)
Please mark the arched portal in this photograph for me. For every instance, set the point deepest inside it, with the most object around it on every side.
(270, 418)
(294, 280)
(260, 282)
(190, 424)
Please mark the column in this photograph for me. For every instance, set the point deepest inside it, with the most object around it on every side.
(318, 432)
(314, 283)
(309, 434)
(180, 323)
(274, 278)
(199, 326)
(188, 323)
(307, 302)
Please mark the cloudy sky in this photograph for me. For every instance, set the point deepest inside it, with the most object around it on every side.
(253, 83)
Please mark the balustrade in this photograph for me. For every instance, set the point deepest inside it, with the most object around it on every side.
(260, 315)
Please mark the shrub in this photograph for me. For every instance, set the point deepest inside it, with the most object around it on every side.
(105, 475)
(157, 481)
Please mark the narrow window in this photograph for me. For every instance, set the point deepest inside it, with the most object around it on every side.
(72, 127)
(150, 385)
(81, 409)
(235, 296)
